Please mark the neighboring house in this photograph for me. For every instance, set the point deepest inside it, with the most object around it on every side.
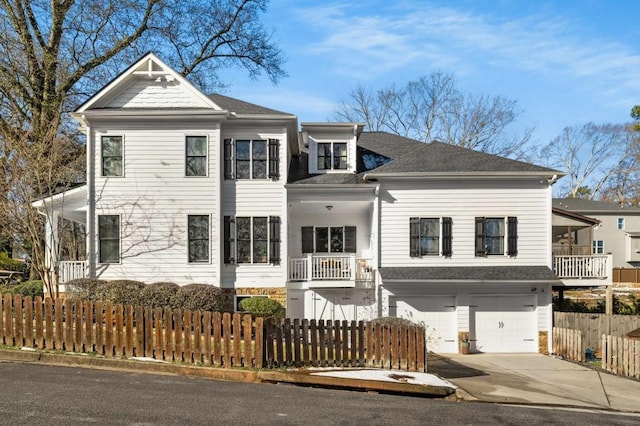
(617, 232)
(334, 222)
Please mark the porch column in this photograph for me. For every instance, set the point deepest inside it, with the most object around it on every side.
(52, 242)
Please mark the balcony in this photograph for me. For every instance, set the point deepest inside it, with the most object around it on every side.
(332, 271)
(585, 271)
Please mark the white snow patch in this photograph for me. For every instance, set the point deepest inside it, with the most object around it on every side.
(148, 359)
(424, 379)
(24, 348)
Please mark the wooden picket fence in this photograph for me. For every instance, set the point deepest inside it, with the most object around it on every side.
(621, 356)
(344, 344)
(568, 344)
(209, 338)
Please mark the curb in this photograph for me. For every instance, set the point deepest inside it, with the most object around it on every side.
(356, 384)
(227, 374)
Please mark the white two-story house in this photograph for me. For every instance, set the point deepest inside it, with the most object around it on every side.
(334, 222)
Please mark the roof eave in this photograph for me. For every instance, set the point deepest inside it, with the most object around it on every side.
(551, 176)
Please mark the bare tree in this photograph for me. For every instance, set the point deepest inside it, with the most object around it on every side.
(592, 155)
(53, 54)
(433, 108)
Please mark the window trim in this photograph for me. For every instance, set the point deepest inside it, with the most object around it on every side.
(102, 156)
(333, 157)
(119, 239)
(509, 237)
(187, 156)
(594, 247)
(347, 239)
(230, 243)
(208, 260)
(272, 161)
(445, 236)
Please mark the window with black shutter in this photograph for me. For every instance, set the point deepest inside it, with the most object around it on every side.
(349, 239)
(274, 240)
(228, 159)
(512, 232)
(229, 240)
(480, 237)
(274, 159)
(414, 237)
(307, 239)
(447, 237)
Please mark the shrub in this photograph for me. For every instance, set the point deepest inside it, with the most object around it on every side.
(83, 289)
(29, 288)
(9, 264)
(204, 297)
(390, 321)
(158, 295)
(125, 292)
(262, 307)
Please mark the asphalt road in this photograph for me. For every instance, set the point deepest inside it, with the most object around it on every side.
(34, 394)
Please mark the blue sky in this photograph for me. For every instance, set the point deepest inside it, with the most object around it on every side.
(565, 62)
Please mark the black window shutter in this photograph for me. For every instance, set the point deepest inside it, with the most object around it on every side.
(447, 236)
(349, 239)
(307, 239)
(228, 240)
(274, 159)
(274, 240)
(481, 249)
(228, 158)
(414, 237)
(512, 242)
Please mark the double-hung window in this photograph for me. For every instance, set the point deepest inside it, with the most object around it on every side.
(329, 239)
(196, 156)
(109, 238)
(252, 239)
(198, 233)
(598, 247)
(251, 159)
(332, 156)
(425, 235)
(621, 223)
(490, 236)
(111, 151)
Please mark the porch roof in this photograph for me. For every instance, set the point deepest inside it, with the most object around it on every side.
(70, 204)
(470, 273)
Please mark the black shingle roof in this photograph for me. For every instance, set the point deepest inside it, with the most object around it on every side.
(242, 107)
(465, 273)
(446, 158)
(412, 156)
(587, 206)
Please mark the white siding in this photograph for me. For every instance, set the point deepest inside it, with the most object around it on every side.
(154, 199)
(157, 93)
(463, 201)
(258, 197)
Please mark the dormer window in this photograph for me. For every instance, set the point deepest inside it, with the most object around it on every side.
(332, 156)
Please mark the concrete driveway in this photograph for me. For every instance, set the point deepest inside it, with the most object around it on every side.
(536, 379)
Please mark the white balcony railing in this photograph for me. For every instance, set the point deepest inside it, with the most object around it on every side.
(331, 268)
(72, 269)
(596, 267)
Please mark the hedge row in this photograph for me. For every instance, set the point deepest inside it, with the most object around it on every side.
(202, 297)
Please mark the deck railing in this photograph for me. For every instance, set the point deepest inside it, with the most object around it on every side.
(330, 268)
(582, 267)
(72, 269)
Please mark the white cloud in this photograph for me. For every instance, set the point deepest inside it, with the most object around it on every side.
(367, 42)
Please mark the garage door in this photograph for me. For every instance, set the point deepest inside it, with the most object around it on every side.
(504, 323)
(436, 313)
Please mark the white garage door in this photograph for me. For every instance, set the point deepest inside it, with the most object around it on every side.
(504, 323)
(436, 313)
